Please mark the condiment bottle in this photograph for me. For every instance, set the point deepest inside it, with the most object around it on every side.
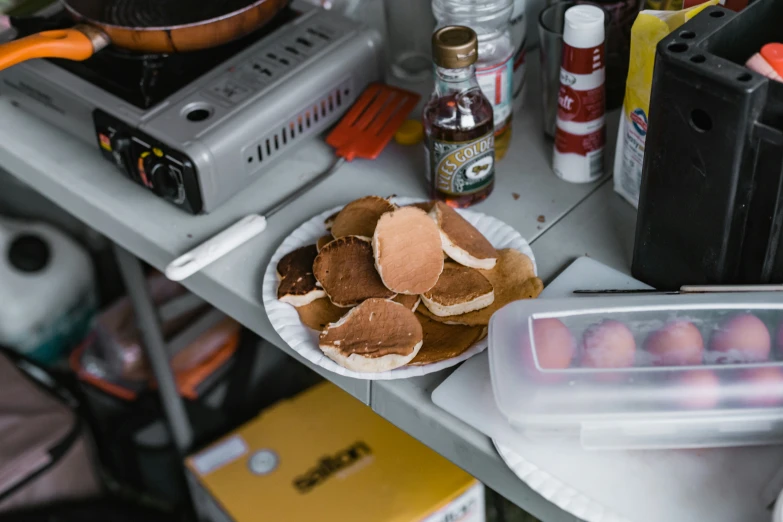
(458, 122)
(580, 137)
(491, 20)
(518, 29)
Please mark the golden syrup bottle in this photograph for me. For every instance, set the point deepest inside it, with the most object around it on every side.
(492, 22)
(458, 123)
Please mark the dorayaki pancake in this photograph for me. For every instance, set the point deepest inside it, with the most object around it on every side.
(513, 278)
(461, 241)
(359, 217)
(407, 250)
(444, 341)
(345, 269)
(408, 301)
(329, 222)
(297, 282)
(459, 290)
(376, 336)
(323, 241)
(318, 314)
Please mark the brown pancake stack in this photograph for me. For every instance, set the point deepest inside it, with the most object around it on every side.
(376, 336)
(513, 278)
(297, 283)
(408, 301)
(461, 241)
(359, 217)
(323, 241)
(378, 264)
(408, 255)
(458, 291)
(346, 271)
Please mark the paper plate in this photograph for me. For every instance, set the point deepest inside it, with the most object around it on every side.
(303, 340)
(556, 491)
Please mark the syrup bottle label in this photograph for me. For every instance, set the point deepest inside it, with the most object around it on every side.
(465, 167)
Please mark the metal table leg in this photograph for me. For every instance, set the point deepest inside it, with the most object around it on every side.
(149, 324)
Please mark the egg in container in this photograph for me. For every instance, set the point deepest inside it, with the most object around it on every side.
(643, 372)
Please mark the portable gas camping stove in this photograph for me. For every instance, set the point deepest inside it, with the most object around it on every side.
(196, 128)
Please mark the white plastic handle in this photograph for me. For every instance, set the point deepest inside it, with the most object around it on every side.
(216, 247)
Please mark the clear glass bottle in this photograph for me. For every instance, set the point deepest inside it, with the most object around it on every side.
(491, 20)
(458, 121)
(518, 27)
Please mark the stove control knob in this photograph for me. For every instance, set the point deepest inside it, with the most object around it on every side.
(121, 150)
(164, 182)
(120, 144)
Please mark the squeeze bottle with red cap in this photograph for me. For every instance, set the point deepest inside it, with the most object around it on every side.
(581, 128)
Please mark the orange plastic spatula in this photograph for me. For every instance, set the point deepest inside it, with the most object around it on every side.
(363, 132)
(367, 127)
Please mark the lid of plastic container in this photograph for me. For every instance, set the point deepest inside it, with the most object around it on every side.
(773, 54)
(584, 26)
(643, 371)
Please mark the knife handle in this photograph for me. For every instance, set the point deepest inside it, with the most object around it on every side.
(216, 247)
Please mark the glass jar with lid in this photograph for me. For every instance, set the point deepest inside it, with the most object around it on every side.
(491, 20)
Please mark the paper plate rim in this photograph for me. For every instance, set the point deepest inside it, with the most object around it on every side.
(555, 490)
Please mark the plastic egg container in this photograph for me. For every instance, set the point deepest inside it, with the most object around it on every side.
(643, 371)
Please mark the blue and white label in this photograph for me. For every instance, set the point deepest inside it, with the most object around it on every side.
(219, 455)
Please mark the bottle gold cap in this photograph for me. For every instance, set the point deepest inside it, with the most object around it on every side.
(454, 47)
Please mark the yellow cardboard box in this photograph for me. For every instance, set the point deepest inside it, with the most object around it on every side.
(325, 456)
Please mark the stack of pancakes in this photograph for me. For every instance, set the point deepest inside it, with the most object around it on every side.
(392, 286)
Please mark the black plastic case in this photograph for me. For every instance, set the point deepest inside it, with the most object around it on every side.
(711, 205)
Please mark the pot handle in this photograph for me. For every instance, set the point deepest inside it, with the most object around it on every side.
(78, 43)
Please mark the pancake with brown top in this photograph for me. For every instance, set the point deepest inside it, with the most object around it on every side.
(376, 336)
(297, 282)
(461, 241)
(359, 217)
(444, 341)
(345, 269)
(513, 278)
(426, 206)
(459, 290)
(408, 301)
(407, 250)
(323, 241)
(329, 221)
(318, 314)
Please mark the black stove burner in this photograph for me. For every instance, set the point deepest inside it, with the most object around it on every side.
(145, 80)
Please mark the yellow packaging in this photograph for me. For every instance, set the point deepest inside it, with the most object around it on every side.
(664, 5)
(649, 28)
(325, 456)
